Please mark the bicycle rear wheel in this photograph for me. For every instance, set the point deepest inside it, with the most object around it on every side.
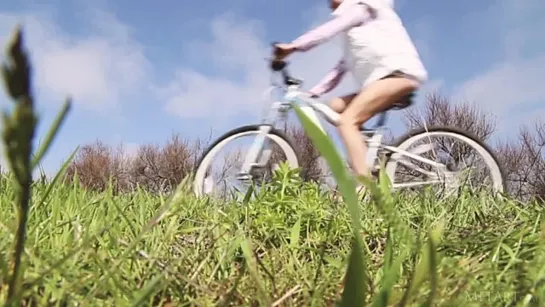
(458, 161)
(276, 149)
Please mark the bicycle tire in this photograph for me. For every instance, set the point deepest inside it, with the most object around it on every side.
(221, 141)
(398, 142)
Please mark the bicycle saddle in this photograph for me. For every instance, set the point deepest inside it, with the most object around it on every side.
(404, 102)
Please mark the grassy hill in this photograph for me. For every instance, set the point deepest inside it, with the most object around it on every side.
(107, 250)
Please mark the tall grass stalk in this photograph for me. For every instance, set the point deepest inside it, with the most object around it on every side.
(18, 131)
(357, 279)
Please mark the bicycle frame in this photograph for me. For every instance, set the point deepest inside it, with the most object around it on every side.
(311, 107)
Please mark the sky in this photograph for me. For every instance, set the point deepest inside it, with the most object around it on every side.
(138, 72)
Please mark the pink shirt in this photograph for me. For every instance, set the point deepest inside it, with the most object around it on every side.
(349, 19)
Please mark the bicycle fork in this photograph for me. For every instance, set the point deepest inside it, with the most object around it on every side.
(255, 150)
(279, 109)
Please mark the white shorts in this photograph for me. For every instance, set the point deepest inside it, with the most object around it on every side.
(368, 73)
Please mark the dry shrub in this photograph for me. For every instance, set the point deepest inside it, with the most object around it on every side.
(522, 159)
(309, 156)
(161, 169)
(153, 168)
(524, 163)
(97, 163)
(311, 169)
(438, 110)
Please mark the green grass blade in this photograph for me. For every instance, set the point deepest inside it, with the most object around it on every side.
(391, 276)
(355, 280)
(354, 292)
(148, 290)
(61, 116)
(390, 271)
(435, 236)
(294, 234)
(53, 183)
(427, 267)
(252, 267)
(385, 185)
(389, 251)
(327, 149)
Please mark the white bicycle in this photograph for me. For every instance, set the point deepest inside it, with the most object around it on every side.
(402, 159)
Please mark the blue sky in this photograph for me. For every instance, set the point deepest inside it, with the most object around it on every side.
(139, 72)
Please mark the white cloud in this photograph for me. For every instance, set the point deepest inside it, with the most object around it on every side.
(508, 85)
(238, 45)
(235, 47)
(95, 69)
(515, 81)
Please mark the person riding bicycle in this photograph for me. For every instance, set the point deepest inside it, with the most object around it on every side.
(380, 55)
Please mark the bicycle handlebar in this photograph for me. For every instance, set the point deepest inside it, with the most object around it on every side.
(280, 66)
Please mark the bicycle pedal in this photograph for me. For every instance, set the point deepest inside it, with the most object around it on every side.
(258, 168)
(243, 176)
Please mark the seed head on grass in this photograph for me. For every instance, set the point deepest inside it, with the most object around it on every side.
(19, 126)
(18, 130)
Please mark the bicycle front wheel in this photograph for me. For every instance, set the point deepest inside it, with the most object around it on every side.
(276, 149)
(455, 162)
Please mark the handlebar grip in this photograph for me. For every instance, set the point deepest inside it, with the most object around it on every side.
(277, 65)
(275, 49)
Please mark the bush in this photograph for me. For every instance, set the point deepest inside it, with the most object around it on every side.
(152, 168)
(159, 169)
(523, 158)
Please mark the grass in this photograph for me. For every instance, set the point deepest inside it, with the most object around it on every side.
(290, 245)
(88, 248)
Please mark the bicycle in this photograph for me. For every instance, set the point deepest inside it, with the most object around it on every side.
(392, 155)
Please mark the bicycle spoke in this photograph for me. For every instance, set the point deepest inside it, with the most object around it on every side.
(446, 160)
(221, 174)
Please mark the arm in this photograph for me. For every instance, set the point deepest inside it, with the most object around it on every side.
(349, 19)
(330, 81)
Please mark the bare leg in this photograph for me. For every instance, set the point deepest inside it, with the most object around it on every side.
(339, 104)
(375, 98)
